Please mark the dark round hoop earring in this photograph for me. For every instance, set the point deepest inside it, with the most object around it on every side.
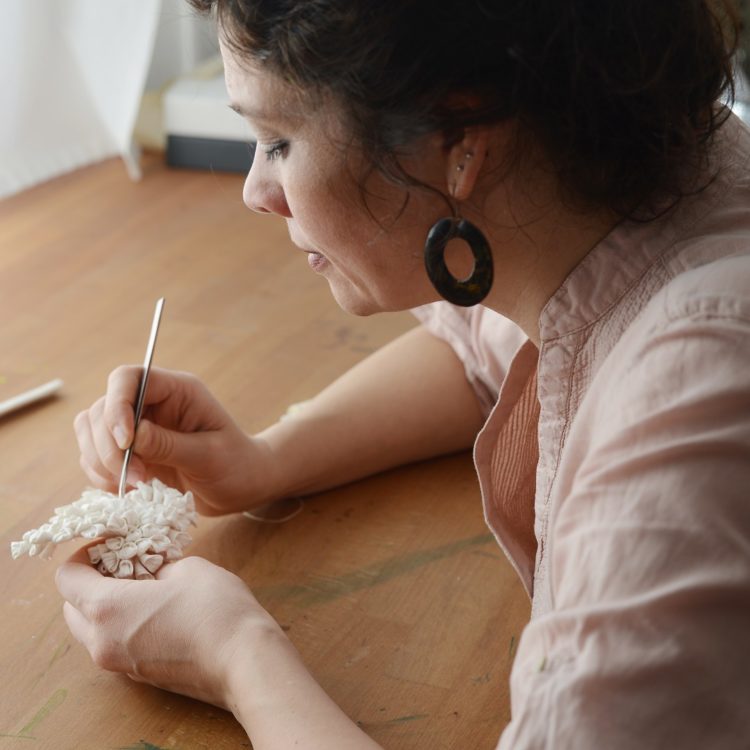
(473, 289)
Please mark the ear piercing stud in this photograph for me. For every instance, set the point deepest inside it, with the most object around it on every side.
(468, 155)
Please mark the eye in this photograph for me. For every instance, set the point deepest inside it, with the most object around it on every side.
(276, 150)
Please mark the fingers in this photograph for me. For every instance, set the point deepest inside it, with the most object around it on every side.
(122, 390)
(101, 458)
(158, 445)
(191, 568)
(80, 628)
(105, 430)
(93, 610)
(90, 460)
(184, 428)
(105, 651)
(95, 478)
(80, 583)
(119, 404)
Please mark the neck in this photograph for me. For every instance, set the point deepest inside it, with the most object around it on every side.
(536, 242)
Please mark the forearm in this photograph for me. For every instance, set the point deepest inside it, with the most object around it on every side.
(280, 705)
(407, 402)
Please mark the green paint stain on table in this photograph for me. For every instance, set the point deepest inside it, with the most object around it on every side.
(326, 590)
(60, 651)
(55, 701)
(392, 722)
(404, 719)
(141, 745)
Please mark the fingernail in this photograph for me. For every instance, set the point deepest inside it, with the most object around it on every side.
(121, 437)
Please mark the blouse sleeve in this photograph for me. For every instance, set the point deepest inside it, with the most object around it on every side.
(482, 339)
(647, 644)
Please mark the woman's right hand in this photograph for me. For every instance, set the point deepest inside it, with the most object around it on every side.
(185, 438)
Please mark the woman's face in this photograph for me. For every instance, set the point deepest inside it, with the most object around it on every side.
(303, 171)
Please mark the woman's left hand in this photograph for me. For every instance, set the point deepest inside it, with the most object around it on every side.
(179, 632)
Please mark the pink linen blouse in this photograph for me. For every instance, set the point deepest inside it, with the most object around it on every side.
(628, 433)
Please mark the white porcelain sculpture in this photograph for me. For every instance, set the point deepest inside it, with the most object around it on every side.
(141, 531)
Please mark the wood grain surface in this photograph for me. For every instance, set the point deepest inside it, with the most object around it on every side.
(392, 588)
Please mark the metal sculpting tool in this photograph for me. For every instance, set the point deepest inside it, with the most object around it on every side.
(142, 391)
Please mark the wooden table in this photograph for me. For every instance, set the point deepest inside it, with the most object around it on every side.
(392, 588)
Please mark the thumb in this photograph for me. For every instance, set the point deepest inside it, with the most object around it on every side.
(158, 445)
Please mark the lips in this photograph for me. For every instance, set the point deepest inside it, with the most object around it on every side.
(317, 261)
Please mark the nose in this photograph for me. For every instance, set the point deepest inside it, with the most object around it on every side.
(262, 193)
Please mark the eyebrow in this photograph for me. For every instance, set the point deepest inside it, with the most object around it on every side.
(259, 115)
(254, 114)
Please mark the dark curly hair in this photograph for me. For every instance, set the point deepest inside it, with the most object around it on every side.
(624, 96)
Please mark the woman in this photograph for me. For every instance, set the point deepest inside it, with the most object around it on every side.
(598, 345)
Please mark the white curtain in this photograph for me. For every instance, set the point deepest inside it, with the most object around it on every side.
(72, 74)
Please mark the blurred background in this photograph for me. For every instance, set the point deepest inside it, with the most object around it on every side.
(84, 80)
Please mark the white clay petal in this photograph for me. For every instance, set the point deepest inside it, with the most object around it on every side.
(142, 546)
(93, 531)
(127, 551)
(18, 548)
(64, 535)
(152, 563)
(124, 569)
(40, 536)
(140, 573)
(160, 542)
(110, 560)
(173, 553)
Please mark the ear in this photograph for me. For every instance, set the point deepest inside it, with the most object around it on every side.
(465, 159)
